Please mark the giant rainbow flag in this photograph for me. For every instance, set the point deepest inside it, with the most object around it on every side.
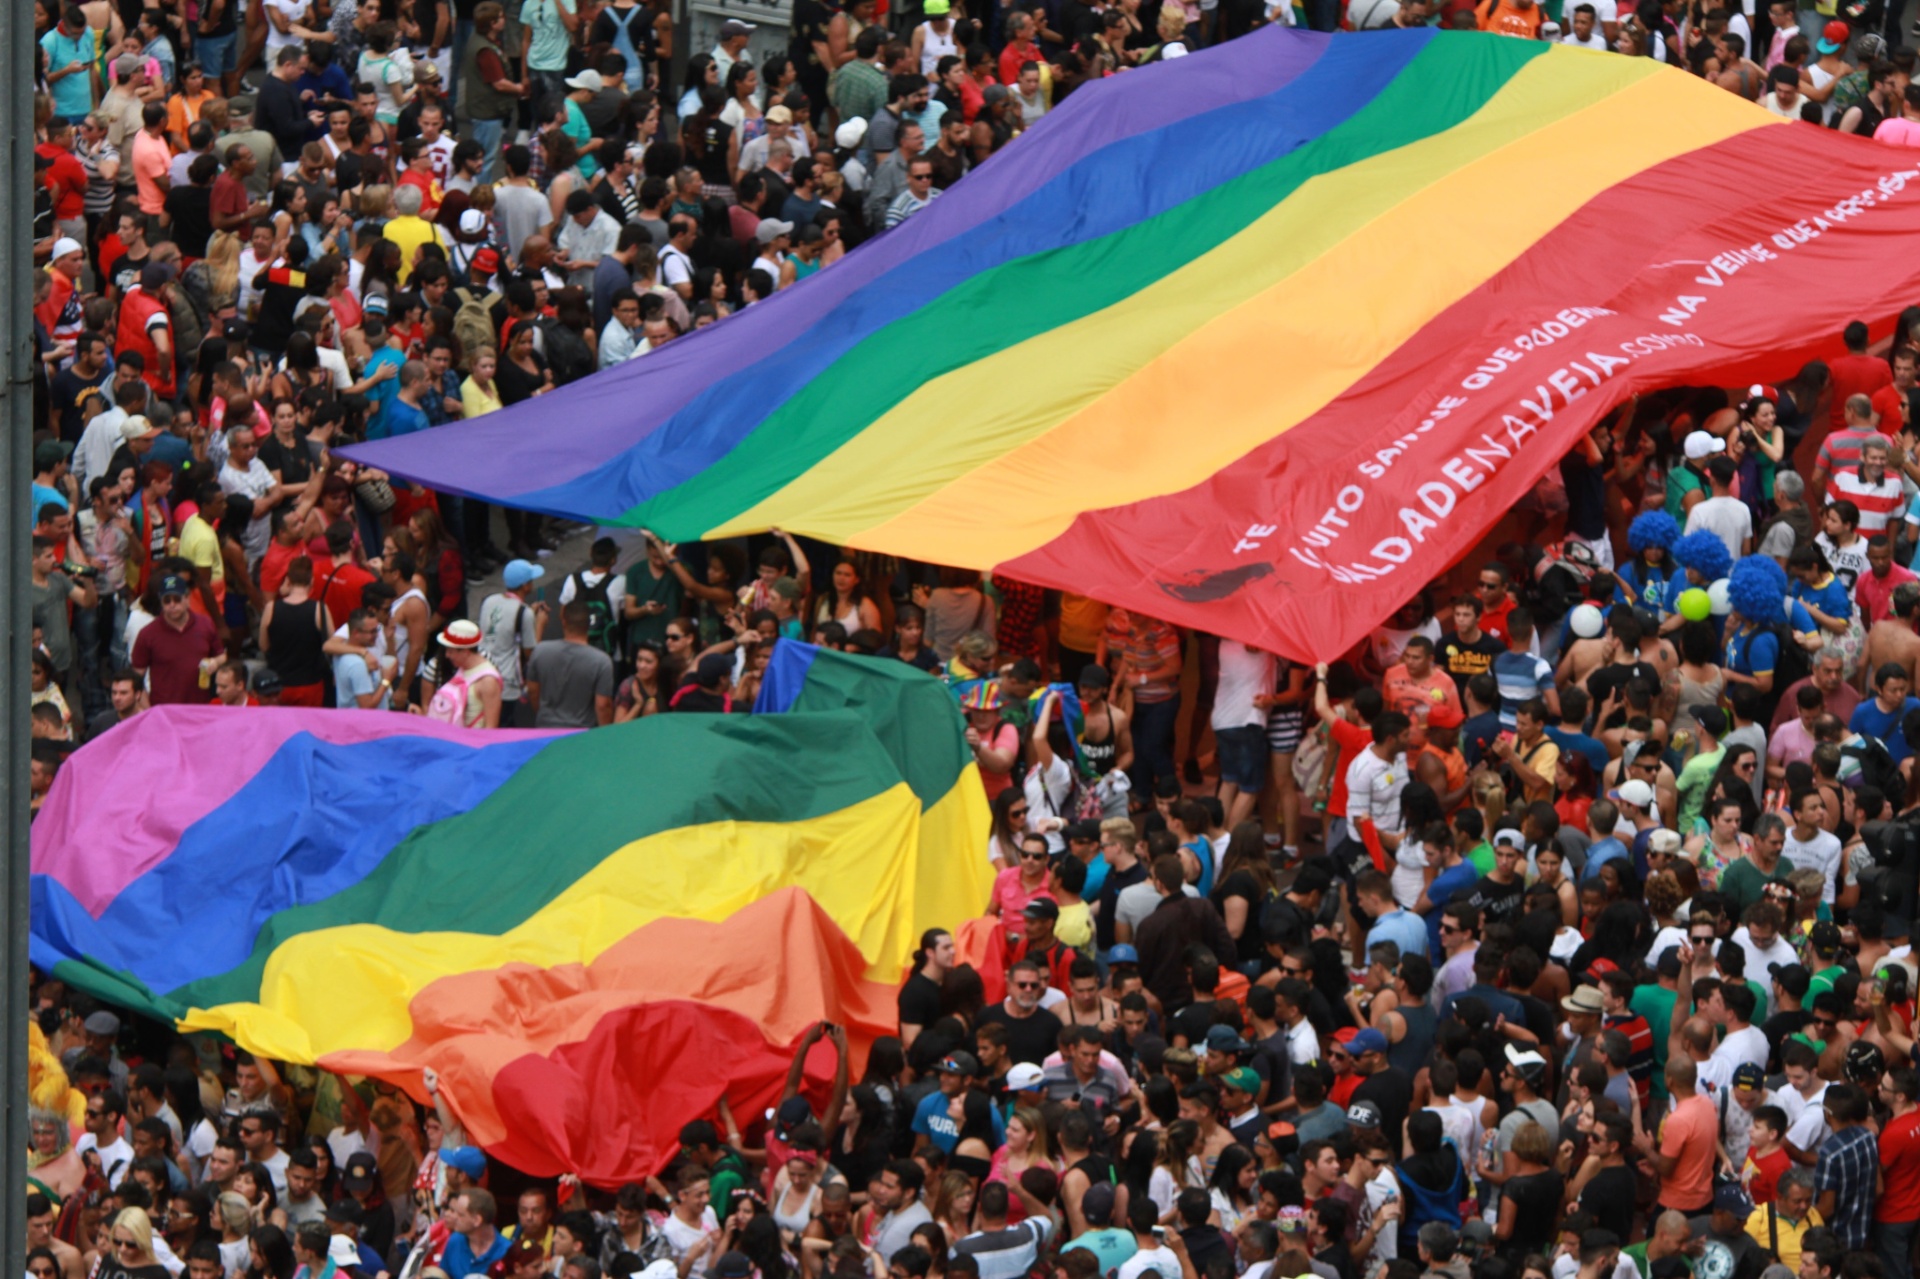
(591, 937)
(1257, 340)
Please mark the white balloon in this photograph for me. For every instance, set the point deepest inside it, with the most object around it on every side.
(1588, 621)
(1717, 596)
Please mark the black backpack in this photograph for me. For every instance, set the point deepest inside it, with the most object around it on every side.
(602, 632)
(1878, 768)
(1790, 667)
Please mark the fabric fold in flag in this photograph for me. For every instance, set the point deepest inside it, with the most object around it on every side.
(552, 922)
(1280, 329)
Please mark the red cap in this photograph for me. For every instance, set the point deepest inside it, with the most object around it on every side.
(1837, 32)
(486, 261)
(1445, 715)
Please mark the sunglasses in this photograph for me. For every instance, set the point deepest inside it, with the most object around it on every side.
(1033, 857)
(173, 599)
(1296, 971)
(1034, 985)
(1016, 812)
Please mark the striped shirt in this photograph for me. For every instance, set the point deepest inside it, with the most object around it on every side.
(1878, 502)
(1841, 450)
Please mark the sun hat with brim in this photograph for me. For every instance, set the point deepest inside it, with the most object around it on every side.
(461, 635)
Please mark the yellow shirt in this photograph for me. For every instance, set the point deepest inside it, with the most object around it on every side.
(410, 233)
(1789, 1233)
(1075, 925)
(475, 402)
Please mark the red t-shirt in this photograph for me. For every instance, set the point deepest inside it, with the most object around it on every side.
(1494, 620)
(1900, 1157)
(171, 660)
(229, 196)
(348, 580)
(1765, 1181)
(67, 179)
(1351, 738)
(1855, 375)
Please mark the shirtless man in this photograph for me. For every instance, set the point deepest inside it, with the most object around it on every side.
(1894, 639)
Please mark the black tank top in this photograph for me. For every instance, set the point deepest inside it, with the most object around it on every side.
(1100, 754)
(295, 639)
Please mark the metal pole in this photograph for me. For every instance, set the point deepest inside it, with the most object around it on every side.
(16, 622)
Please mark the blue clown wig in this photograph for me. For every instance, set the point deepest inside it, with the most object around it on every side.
(1704, 553)
(1652, 530)
(1757, 589)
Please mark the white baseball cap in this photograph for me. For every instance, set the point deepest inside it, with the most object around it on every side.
(1700, 444)
(1024, 1076)
(61, 247)
(1635, 792)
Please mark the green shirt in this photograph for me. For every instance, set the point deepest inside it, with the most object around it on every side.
(1822, 980)
(1482, 858)
(729, 1173)
(547, 50)
(1637, 1253)
(1742, 883)
(643, 586)
(1693, 782)
(578, 129)
(1655, 1003)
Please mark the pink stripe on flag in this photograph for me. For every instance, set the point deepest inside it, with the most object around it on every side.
(95, 844)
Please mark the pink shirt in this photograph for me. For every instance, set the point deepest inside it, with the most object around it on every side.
(1900, 133)
(1010, 897)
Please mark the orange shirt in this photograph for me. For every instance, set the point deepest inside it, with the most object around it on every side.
(1503, 17)
(1689, 1134)
(1414, 698)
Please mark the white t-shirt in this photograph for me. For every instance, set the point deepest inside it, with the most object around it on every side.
(1594, 40)
(1048, 792)
(616, 587)
(1759, 960)
(1409, 872)
(1821, 853)
(1373, 789)
(1245, 673)
(115, 1159)
(1748, 1045)
(1806, 1116)
(1303, 1045)
(294, 11)
(1160, 1259)
(681, 1236)
(1727, 518)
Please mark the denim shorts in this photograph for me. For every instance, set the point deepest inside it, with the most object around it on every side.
(218, 54)
(1243, 756)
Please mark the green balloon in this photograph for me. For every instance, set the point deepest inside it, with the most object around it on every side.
(1695, 605)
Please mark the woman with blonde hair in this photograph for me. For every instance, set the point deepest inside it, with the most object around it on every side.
(130, 1249)
(952, 1204)
(223, 271)
(234, 1218)
(1490, 797)
(1026, 1147)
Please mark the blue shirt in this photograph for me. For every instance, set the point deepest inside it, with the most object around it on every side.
(1445, 887)
(404, 419)
(1868, 718)
(73, 94)
(351, 680)
(42, 495)
(383, 394)
(457, 1257)
(1753, 652)
(1096, 876)
(1498, 1003)
(1401, 927)
(1596, 753)
(171, 449)
(1476, 736)
(1605, 850)
(931, 1118)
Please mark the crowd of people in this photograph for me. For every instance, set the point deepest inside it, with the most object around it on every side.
(1559, 929)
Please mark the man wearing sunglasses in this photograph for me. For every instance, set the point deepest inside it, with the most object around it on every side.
(105, 1110)
(169, 653)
